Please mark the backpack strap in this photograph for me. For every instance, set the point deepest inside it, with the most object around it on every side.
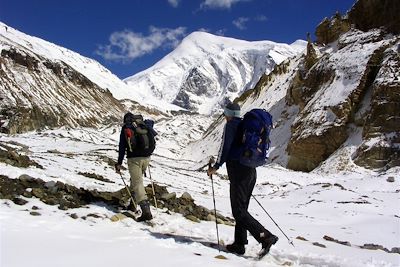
(141, 128)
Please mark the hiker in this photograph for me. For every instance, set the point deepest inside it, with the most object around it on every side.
(137, 140)
(242, 181)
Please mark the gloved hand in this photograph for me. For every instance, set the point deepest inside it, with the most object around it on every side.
(118, 168)
(211, 171)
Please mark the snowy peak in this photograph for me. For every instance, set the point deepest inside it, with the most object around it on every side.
(205, 70)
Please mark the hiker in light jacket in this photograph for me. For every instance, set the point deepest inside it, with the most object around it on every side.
(138, 152)
(242, 181)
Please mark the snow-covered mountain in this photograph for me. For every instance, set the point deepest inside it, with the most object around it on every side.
(46, 85)
(11, 38)
(335, 104)
(335, 107)
(205, 70)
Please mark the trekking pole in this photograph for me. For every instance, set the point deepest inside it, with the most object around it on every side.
(129, 192)
(154, 193)
(290, 241)
(215, 209)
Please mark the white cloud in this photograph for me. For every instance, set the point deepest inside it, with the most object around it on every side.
(240, 23)
(174, 3)
(220, 4)
(261, 18)
(126, 45)
(221, 32)
(203, 30)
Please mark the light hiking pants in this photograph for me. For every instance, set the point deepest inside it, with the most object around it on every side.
(137, 166)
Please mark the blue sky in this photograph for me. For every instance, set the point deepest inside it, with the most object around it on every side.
(130, 36)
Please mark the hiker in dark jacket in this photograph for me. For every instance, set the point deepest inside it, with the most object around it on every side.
(242, 181)
(138, 158)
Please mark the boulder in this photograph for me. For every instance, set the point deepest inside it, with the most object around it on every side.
(187, 196)
(168, 196)
(390, 179)
(192, 218)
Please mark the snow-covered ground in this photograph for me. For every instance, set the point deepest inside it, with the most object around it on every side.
(358, 206)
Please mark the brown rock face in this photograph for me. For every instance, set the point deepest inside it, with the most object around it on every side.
(24, 60)
(369, 14)
(305, 85)
(309, 146)
(307, 153)
(329, 30)
(381, 133)
(321, 127)
(311, 56)
(364, 15)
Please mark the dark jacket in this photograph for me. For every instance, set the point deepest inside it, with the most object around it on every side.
(229, 149)
(123, 143)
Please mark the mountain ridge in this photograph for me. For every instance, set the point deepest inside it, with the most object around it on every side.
(336, 103)
(206, 70)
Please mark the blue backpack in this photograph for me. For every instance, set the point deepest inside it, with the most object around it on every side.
(254, 137)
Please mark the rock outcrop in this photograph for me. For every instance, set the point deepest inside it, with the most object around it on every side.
(381, 121)
(69, 197)
(365, 15)
(356, 82)
(329, 30)
(10, 156)
(369, 14)
(336, 88)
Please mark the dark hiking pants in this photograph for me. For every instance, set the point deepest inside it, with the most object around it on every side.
(242, 182)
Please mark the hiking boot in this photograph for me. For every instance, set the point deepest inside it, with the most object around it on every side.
(146, 213)
(236, 248)
(266, 243)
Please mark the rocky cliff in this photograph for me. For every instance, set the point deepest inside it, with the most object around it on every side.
(355, 77)
(370, 14)
(355, 81)
(340, 100)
